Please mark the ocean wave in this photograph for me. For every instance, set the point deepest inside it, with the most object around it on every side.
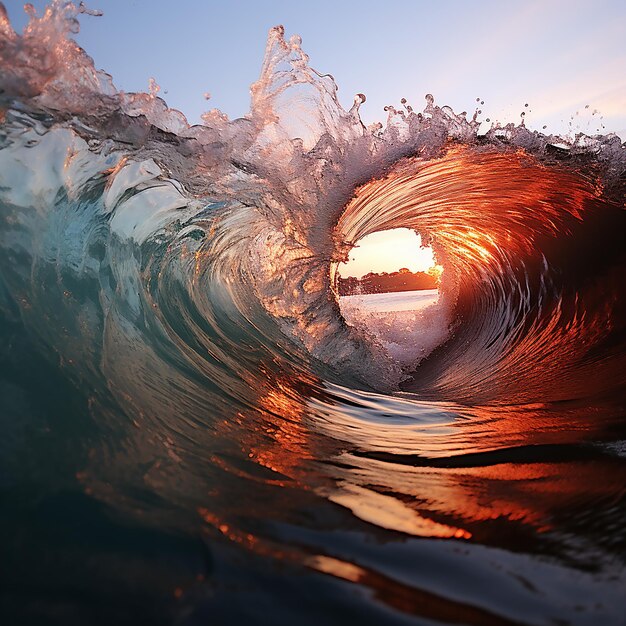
(183, 278)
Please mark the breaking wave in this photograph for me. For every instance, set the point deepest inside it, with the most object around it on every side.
(182, 280)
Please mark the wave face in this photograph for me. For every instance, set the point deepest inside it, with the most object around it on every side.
(191, 429)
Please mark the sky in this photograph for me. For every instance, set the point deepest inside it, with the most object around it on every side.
(388, 251)
(556, 56)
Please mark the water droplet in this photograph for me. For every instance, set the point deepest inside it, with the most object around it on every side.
(403, 100)
(153, 87)
(487, 120)
(482, 102)
(477, 99)
(479, 111)
(523, 114)
(526, 104)
(544, 126)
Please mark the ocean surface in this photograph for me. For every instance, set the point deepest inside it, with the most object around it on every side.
(393, 301)
(195, 428)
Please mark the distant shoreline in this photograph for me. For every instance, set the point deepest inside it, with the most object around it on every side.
(402, 280)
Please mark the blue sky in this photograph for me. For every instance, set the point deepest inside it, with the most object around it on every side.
(557, 56)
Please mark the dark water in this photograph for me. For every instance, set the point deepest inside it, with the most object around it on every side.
(193, 434)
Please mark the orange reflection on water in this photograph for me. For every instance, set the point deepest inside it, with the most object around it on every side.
(391, 512)
(281, 441)
(519, 465)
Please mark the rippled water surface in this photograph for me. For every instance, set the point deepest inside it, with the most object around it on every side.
(196, 429)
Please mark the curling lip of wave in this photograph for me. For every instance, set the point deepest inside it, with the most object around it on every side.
(483, 203)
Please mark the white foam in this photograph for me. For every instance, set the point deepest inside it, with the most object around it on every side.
(409, 324)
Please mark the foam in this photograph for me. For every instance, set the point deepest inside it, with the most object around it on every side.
(409, 335)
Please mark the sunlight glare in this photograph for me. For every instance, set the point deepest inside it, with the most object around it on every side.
(388, 251)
